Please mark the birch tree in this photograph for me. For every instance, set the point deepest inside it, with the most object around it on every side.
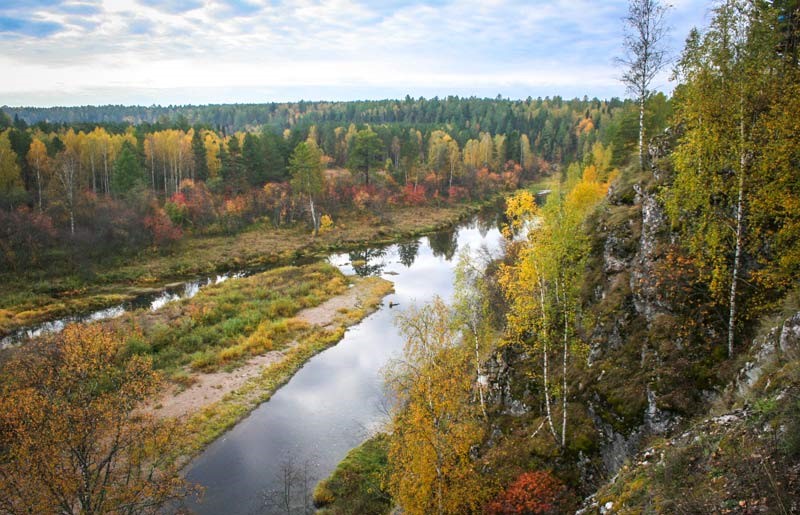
(543, 288)
(731, 84)
(305, 166)
(434, 425)
(645, 53)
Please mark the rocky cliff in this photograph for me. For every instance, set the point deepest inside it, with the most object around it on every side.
(655, 363)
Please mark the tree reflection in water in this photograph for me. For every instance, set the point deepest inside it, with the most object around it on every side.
(444, 243)
(368, 261)
(408, 252)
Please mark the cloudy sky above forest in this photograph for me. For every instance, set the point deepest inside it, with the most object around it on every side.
(213, 51)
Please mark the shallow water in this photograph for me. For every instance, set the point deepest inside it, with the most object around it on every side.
(154, 301)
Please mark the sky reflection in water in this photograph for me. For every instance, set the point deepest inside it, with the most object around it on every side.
(336, 400)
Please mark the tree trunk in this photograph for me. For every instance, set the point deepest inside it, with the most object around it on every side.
(739, 236)
(94, 174)
(314, 220)
(641, 132)
(545, 367)
(105, 166)
(71, 218)
(39, 186)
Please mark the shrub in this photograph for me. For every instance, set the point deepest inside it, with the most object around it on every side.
(531, 493)
(163, 231)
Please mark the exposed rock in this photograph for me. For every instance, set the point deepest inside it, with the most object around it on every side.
(615, 447)
(658, 421)
(643, 284)
(498, 379)
(790, 334)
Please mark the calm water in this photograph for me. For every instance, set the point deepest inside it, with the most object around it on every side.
(336, 400)
(152, 300)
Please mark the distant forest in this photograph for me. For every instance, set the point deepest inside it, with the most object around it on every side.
(551, 120)
(92, 179)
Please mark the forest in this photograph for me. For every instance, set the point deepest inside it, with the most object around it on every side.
(122, 186)
(632, 347)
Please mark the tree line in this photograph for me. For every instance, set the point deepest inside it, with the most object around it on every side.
(129, 186)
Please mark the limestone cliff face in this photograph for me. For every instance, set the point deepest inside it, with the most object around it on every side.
(617, 398)
(742, 456)
(655, 367)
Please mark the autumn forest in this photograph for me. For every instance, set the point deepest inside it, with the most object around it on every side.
(541, 305)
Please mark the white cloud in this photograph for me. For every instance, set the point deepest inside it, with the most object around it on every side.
(549, 47)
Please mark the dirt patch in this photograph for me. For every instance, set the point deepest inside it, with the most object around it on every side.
(327, 314)
(209, 388)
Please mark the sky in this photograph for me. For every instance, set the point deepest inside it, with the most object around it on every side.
(79, 52)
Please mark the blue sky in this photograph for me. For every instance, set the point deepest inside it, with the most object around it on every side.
(79, 52)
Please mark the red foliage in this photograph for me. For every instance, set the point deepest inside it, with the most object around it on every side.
(414, 196)
(458, 194)
(164, 232)
(532, 493)
(487, 182)
(194, 204)
(365, 197)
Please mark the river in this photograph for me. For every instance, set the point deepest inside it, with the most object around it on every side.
(336, 400)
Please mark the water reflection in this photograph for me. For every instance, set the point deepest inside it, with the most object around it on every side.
(336, 400)
(444, 243)
(407, 252)
(368, 261)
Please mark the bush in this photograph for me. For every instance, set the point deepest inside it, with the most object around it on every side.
(536, 492)
(24, 237)
(163, 231)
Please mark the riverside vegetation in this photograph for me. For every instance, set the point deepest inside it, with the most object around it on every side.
(635, 350)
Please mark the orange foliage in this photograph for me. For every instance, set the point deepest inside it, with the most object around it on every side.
(73, 439)
(532, 493)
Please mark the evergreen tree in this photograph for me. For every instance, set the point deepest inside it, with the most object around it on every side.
(127, 172)
(253, 161)
(366, 152)
(199, 156)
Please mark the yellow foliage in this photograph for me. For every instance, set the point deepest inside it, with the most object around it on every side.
(436, 424)
(325, 224)
(73, 436)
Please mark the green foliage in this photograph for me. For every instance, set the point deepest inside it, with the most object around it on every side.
(230, 322)
(366, 152)
(199, 156)
(305, 167)
(731, 156)
(127, 172)
(357, 485)
(543, 286)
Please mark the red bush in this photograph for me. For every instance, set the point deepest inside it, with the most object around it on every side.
(414, 196)
(532, 493)
(164, 232)
(457, 193)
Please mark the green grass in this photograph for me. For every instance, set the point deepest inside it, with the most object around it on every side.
(33, 296)
(211, 421)
(228, 323)
(356, 486)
